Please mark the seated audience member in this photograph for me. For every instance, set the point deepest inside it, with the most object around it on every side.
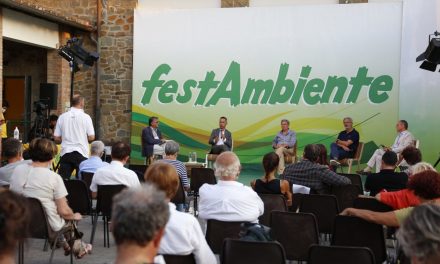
(346, 144)
(229, 200)
(115, 173)
(14, 219)
(309, 173)
(410, 157)
(268, 183)
(220, 139)
(94, 162)
(171, 152)
(403, 140)
(419, 235)
(387, 179)
(183, 235)
(322, 159)
(13, 152)
(152, 140)
(404, 198)
(53, 119)
(36, 180)
(284, 143)
(425, 185)
(139, 216)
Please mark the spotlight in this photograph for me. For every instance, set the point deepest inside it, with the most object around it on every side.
(76, 55)
(431, 56)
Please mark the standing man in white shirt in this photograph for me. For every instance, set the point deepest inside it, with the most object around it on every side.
(115, 173)
(403, 140)
(221, 138)
(74, 130)
(229, 200)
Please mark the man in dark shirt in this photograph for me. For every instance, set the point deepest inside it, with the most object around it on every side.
(307, 172)
(387, 178)
(347, 142)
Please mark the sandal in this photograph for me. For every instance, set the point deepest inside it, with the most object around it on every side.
(67, 249)
(80, 249)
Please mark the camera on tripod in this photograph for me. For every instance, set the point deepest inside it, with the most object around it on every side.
(41, 107)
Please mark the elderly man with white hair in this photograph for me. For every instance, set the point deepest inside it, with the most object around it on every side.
(94, 162)
(229, 200)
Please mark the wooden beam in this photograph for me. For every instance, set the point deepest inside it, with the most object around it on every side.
(235, 3)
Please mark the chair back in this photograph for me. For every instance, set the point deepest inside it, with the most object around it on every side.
(355, 179)
(371, 204)
(179, 197)
(104, 199)
(296, 201)
(346, 194)
(200, 176)
(243, 252)
(340, 255)
(272, 202)
(87, 178)
(179, 259)
(38, 226)
(78, 196)
(356, 232)
(359, 151)
(139, 170)
(296, 232)
(217, 231)
(324, 207)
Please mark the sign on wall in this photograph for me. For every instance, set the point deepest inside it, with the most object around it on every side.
(312, 65)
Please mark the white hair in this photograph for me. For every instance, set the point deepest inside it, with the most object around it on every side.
(227, 165)
(96, 148)
(421, 166)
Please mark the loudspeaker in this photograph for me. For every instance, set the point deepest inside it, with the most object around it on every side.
(49, 94)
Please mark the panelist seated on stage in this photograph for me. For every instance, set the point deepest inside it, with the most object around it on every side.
(403, 140)
(346, 144)
(152, 140)
(284, 143)
(221, 138)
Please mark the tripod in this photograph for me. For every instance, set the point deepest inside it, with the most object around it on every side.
(437, 162)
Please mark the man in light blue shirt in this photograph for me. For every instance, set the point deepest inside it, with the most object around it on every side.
(284, 143)
(94, 162)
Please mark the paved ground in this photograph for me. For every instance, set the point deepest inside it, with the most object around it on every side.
(34, 253)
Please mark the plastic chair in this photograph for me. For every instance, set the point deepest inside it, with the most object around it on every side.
(179, 259)
(272, 202)
(324, 207)
(346, 194)
(243, 252)
(78, 197)
(371, 204)
(340, 255)
(357, 157)
(356, 232)
(179, 197)
(87, 178)
(39, 228)
(139, 170)
(355, 179)
(104, 206)
(217, 231)
(200, 176)
(296, 232)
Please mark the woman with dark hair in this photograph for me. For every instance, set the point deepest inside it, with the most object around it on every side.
(36, 180)
(268, 183)
(322, 159)
(13, 224)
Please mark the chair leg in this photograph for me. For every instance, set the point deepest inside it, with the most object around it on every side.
(20, 253)
(95, 222)
(46, 244)
(108, 233)
(195, 204)
(53, 247)
(350, 163)
(105, 231)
